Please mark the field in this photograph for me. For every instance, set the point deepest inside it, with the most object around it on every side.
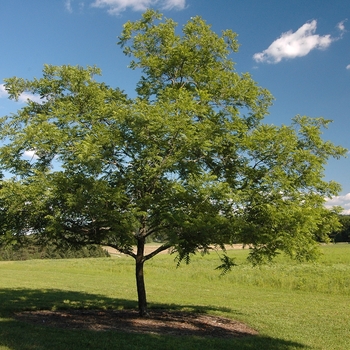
(290, 305)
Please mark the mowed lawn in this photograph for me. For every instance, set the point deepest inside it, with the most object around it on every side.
(291, 305)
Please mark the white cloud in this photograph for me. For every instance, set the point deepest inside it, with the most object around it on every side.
(114, 7)
(30, 154)
(297, 44)
(170, 4)
(341, 26)
(343, 201)
(26, 96)
(22, 97)
(68, 6)
(348, 66)
(3, 92)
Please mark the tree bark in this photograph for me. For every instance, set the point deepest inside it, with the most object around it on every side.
(140, 280)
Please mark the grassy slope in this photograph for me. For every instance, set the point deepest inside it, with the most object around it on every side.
(293, 306)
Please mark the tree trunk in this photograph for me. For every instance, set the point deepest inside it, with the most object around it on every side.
(140, 281)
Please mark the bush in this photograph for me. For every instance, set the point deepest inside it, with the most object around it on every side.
(343, 235)
(32, 250)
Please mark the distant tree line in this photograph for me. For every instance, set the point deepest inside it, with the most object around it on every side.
(35, 250)
(343, 234)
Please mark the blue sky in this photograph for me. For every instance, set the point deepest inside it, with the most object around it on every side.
(298, 49)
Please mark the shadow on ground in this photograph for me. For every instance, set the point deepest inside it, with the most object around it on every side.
(16, 334)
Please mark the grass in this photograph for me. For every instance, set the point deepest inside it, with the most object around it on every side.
(293, 306)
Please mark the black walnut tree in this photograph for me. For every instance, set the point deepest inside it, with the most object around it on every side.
(189, 159)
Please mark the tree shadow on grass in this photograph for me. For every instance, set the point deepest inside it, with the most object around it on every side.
(12, 300)
(17, 334)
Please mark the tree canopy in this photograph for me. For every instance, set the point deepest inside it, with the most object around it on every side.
(189, 159)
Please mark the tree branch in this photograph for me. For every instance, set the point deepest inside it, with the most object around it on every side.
(158, 250)
(156, 229)
(123, 250)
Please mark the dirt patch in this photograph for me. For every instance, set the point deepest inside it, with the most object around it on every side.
(158, 322)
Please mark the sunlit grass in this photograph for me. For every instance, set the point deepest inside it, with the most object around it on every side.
(292, 305)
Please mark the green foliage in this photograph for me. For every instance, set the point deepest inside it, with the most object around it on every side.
(34, 250)
(343, 233)
(227, 264)
(189, 159)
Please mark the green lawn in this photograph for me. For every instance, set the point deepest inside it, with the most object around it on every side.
(293, 306)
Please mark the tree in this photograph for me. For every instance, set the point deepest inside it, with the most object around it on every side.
(189, 158)
(343, 233)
